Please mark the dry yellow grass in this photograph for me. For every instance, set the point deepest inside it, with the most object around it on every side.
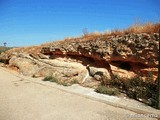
(136, 28)
(146, 28)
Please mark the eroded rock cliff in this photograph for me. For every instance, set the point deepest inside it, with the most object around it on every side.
(89, 59)
(132, 52)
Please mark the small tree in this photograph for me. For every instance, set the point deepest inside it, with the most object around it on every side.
(4, 44)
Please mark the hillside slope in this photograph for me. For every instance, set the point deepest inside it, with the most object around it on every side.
(127, 60)
(128, 52)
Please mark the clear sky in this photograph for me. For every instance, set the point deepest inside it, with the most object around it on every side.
(32, 22)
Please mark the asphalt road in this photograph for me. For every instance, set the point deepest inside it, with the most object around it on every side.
(21, 99)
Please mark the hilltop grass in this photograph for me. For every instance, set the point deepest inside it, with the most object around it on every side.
(135, 28)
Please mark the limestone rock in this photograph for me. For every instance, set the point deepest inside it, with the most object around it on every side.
(26, 66)
(98, 73)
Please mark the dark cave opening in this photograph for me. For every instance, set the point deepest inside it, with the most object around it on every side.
(122, 65)
(125, 66)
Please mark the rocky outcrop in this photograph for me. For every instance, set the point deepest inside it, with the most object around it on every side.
(98, 73)
(131, 51)
(63, 70)
(87, 61)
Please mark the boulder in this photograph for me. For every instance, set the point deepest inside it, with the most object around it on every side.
(98, 73)
(62, 70)
(26, 67)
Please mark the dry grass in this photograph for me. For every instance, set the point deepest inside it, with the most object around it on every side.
(3, 49)
(146, 28)
(136, 28)
(30, 50)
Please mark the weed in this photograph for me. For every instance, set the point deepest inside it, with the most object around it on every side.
(53, 79)
(107, 90)
(141, 28)
(63, 83)
(34, 76)
(134, 87)
(116, 81)
(50, 78)
(74, 81)
(136, 81)
(140, 89)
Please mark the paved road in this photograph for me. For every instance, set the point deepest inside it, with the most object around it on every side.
(21, 99)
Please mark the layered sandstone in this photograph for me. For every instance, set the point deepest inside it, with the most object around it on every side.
(133, 52)
(90, 58)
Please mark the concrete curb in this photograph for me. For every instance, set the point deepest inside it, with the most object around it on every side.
(125, 103)
(89, 93)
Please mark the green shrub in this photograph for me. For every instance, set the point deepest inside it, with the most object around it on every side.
(136, 81)
(63, 83)
(34, 76)
(134, 87)
(53, 79)
(142, 89)
(107, 90)
(50, 78)
(126, 84)
(116, 80)
(149, 77)
(74, 81)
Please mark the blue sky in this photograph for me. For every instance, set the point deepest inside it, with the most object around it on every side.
(33, 22)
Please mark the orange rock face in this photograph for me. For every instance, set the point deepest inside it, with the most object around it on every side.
(126, 54)
(133, 52)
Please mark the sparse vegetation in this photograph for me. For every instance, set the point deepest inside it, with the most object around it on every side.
(50, 78)
(62, 83)
(34, 76)
(143, 28)
(107, 90)
(135, 28)
(53, 79)
(135, 87)
(74, 81)
(3, 49)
